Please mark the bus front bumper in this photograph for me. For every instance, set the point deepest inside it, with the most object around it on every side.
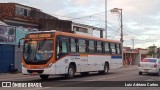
(46, 71)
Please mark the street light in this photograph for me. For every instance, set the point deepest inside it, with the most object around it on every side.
(119, 11)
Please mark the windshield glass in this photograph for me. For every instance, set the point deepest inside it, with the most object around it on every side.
(149, 60)
(38, 51)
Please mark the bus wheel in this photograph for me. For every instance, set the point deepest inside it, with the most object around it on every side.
(44, 77)
(105, 70)
(71, 72)
(84, 73)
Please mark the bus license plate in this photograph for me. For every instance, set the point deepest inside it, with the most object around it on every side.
(145, 70)
(34, 73)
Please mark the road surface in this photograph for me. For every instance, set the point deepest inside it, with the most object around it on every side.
(129, 73)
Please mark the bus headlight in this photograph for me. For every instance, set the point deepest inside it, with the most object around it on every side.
(50, 65)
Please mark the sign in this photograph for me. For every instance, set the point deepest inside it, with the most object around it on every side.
(48, 35)
(7, 35)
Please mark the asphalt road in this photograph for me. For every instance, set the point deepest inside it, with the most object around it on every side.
(60, 83)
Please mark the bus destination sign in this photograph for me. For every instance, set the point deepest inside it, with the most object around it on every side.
(48, 35)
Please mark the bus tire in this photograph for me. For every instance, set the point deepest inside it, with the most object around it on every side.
(84, 73)
(44, 77)
(71, 72)
(105, 70)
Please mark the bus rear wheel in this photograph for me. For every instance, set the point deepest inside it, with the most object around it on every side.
(71, 72)
(105, 70)
(44, 77)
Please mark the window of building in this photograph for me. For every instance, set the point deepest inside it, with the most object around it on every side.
(72, 45)
(22, 11)
(82, 45)
(99, 47)
(80, 29)
(106, 46)
(113, 48)
(91, 46)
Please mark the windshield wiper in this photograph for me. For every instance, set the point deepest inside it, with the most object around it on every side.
(41, 44)
(39, 47)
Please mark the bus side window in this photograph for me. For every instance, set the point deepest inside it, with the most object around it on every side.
(113, 48)
(99, 47)
(72, 45)
(107, 49)
(118, 48)
(91, 46)
(82, 45)
(62, 47)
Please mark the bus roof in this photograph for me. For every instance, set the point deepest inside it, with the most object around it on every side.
(76, 35)
(85, 37)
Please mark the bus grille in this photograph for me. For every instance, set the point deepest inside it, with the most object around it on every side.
(38, 71)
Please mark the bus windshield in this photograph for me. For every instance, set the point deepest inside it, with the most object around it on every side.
(38, 51)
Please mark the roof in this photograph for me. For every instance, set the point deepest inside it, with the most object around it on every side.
(3, 24)
(28, 7)
(88, 26)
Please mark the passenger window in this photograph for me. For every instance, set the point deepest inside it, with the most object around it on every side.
(64, 47)
(113, 48)
(99, 47)
(118, 48)
(72, 45)
(106, 46)
(91, 47)
(82, 45)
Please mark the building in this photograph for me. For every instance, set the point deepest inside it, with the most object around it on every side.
(15, 14)
(86, 29)
(20, 15)
(131, 57)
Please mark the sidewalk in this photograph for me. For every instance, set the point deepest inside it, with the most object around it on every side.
(11, 75)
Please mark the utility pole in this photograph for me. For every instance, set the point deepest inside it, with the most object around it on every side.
(121, 33)
(133, 43)
(106, 19)
(119, 11)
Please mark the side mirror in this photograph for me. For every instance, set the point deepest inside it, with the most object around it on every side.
(19, 44)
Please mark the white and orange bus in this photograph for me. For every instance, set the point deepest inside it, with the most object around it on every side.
(61, 53)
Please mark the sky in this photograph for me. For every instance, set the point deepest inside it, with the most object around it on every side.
(141, 18)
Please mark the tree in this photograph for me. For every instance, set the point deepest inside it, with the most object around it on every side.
(152, 51)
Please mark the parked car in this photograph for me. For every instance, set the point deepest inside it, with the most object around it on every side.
(149, 65)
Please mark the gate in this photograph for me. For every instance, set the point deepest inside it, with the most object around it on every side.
(6, 57)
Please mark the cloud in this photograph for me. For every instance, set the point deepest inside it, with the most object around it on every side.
(141, 18)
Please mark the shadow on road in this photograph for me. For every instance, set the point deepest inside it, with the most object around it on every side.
(78, 76)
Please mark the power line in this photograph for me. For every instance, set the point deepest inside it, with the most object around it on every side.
(88, 16)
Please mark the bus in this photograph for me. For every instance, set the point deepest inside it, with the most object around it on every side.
(60, 53)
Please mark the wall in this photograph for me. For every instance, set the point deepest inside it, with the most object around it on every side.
(138, 58)
(6, 57)
(18, 58)
(89, 29)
